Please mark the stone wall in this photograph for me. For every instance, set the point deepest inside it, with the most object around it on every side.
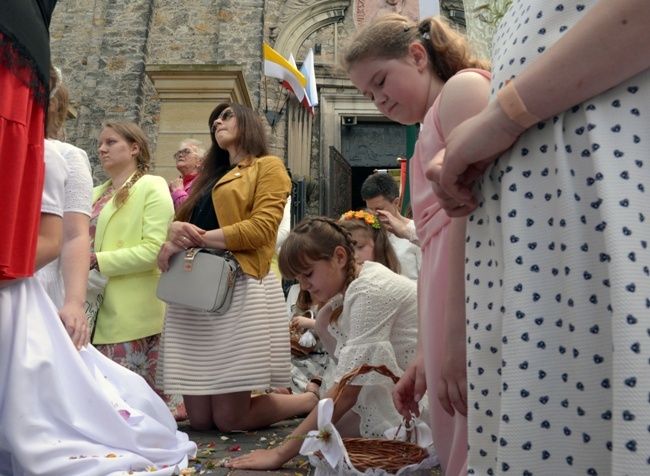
(102, 47)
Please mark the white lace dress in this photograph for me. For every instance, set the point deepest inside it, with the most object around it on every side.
(69, 412)
(78, 199)
(378, 326)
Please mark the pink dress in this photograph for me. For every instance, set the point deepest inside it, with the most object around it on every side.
(432, 224)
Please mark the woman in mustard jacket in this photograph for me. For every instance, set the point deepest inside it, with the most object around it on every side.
(214, 360)
(131, 213)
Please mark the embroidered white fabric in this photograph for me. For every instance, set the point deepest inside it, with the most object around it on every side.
(378, 326)
(79, 186)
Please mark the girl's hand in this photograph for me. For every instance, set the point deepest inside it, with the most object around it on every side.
(76, 324)
(167, 250)
(410, 389)
(186, 235)
(452, 388)
(302, 322)
(258, 460)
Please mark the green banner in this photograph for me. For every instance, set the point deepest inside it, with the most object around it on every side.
(411, 136)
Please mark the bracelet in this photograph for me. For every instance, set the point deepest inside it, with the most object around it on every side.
(514, 107)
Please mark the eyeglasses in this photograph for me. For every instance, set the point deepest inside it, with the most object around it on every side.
(182, 153)
(224, 117)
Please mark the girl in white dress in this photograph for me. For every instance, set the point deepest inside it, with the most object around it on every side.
(66, 285)
(64, 411)
(376, 324)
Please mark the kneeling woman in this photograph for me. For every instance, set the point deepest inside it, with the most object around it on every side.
(376, 325)
(215, 361)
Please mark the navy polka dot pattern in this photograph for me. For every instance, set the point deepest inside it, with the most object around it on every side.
(557, 278)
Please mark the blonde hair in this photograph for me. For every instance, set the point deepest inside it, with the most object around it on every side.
(389, 37)
(132, 134)
(315, 239)
(57, 112)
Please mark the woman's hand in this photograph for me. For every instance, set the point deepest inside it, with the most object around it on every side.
(167, 250)
(259, 460)
(176, 184)
(93, 262)
(411, 388)
(186, 235)
(470, 148)
(76, 324)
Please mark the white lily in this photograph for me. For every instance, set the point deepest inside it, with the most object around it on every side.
(326, 439)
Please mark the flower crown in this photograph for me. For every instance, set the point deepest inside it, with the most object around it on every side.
(369, 218)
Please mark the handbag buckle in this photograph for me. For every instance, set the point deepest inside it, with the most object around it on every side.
(189, 257)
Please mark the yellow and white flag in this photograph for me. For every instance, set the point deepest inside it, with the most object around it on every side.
(276, 66)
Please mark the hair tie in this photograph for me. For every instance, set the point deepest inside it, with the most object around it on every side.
(424, 31)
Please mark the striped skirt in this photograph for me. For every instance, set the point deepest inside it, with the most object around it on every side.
(202, 353)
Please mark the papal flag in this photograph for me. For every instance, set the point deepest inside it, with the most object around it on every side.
(300, 92)
(307, 69)
(276, 66)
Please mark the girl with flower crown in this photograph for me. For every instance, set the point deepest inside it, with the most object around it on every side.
(374, 321)
(372, 243)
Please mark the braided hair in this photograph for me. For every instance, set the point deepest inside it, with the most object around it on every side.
(314, 239)
(131, 133)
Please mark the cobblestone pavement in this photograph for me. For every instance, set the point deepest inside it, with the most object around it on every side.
(214, 448)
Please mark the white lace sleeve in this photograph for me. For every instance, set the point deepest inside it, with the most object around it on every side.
(56, 174)
(79, 187)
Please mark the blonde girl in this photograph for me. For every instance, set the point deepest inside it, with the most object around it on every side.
(424, 73)
(371, 239)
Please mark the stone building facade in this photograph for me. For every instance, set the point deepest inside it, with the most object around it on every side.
(165, 64)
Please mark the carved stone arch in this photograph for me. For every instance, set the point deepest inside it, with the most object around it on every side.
(300, 26)
(289, 40)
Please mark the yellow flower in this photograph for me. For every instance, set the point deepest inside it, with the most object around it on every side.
(348, 215)
(359, 215)
(370, 219)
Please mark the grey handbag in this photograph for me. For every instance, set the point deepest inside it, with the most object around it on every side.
(199, 278)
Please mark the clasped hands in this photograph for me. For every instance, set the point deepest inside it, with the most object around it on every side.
(181, 236)
(469, 149)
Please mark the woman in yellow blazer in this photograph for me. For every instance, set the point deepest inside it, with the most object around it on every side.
(131, 213)
(215, 361)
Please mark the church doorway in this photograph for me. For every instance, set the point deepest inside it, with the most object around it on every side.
(368, 146)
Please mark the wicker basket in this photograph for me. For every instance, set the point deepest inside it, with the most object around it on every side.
(295, 334)
(379, 453)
